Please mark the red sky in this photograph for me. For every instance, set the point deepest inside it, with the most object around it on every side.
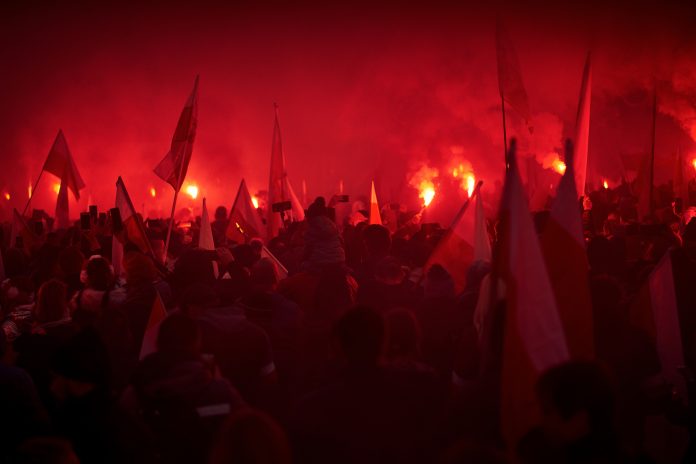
(364, 91)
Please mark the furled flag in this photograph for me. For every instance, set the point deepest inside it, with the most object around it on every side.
(279, 188)
(655, 311)
(63, 206)
(582, 129)
(172, 169)
(533, 333)
(132, 224)
(464, 243)
(157, 314)
(205, 238)
(117, 256)
(510, 77)
(375, 216)
(245, 222)
(563, 245)
(21, 229)
(60, 163)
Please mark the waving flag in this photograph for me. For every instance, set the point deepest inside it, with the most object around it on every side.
(563, 245)
(60, 163)
(205, 238)
(465, 242)
(375, 216)
(510, 81)
(157, 314)
(533, 335)
(245, 222)
(172, 169)
(132, 224)
(582, 129)
(62, 206)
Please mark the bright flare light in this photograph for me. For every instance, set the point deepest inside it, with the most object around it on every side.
(7, 196)
(255, 202)
(606, 184)
(559, 166)
(56, 188)
(427, 192)
(192, 191)
(153, 192)
(693, 162)
(470, 184)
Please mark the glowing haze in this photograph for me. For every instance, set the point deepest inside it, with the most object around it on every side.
(365, 92)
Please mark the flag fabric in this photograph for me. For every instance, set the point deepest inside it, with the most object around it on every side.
(172, 169)
(158, 313)
(533, 333)
(63, 206)
(563, 246)
(279, 189)
(375, 216)
(205, 237)
(510, 81)
(465, 242)
(582, 128)
(132, 224)
(117, 256)
(282, 270)
(655, 311)
(21, 229)
(60, 163)
(244, 221)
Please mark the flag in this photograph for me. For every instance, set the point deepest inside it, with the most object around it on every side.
(60, 163)
(117, 256)
(63, 206)
(375, 216)
(465, 242)
(132, 224)
(157, 314)
(205, 237)
(510, 81)
(244, 222)
(655, 311)
(297, 208)
(279, 189)
(582, 128)
(563, 246)
(21, 229)
(172, 169)
(533, 334)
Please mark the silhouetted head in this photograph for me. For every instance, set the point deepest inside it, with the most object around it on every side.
(220, 213)
(377, 240)
(360, 334)
(178, 334)
(100, 276)
(51, 304)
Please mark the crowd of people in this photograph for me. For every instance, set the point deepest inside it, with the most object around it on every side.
(359, 355)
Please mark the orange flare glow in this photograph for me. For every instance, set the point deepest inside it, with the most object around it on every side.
(427, 192)
(470, 184)
(153, 192)
(7, 196)
(559, 166)
(192, 191)
(56, 188)
(606, 184)
(693, 162)
(255, 202)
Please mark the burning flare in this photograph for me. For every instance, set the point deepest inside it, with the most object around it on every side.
(255, 202)
(693, 163)
(465, 172)
(192, 191)
(605, 184)
(153, 192)
(7, 196)
(427, 192)
(422, 180)
(56, 188)
(559, 166)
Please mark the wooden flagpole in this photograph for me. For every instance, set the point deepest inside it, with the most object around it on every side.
(507, 160)
(33, 189)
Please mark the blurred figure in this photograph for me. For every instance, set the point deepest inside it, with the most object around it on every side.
(46, 450)
(251, 437)
(99, 292)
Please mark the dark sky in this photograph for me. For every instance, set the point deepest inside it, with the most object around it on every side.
(365, 91)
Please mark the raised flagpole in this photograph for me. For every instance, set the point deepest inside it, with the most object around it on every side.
(652, 152)
(171, 216)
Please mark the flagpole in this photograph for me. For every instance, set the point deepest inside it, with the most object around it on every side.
(32, 193)
(652, 151)
(180, 183)
(507, 161)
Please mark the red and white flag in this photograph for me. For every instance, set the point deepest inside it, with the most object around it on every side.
(563, 246)
(62, 206)
(655, 311)
(375, 216)
(244, 222)
(510, 81)
(132, 224)
(60, 163)
(205, 237)
(279, 188)
(172, 169)
(534, 339)
(464, 243)
(158, 313)
(582, 129)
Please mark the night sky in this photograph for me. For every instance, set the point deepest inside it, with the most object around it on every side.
(364, 91)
